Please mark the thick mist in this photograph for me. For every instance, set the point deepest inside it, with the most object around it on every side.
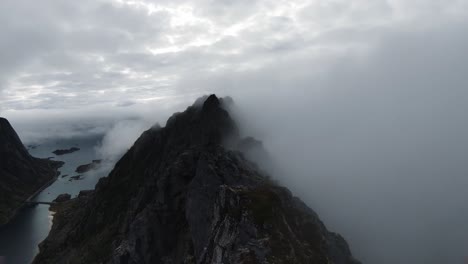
(363, 110)
(115, 126)
(377, 145)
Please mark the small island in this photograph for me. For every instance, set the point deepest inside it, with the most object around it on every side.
(87, 167)
(76, 177)
(32, 146)
(59, 152)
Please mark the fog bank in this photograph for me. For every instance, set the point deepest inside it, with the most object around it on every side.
(377, 145)
(362, 104)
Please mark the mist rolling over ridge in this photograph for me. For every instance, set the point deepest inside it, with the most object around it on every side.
(362, 105)
(379, 147)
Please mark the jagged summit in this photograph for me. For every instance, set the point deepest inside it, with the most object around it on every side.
(209, 124)
(212, 102)
(179, 196)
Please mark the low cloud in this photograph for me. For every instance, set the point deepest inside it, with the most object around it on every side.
(377, 144)
(363, 104)
(120, 138)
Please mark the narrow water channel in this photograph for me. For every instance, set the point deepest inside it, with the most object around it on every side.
(19, 239)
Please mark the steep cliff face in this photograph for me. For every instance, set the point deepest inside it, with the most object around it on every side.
(21, 175)
(180, 196)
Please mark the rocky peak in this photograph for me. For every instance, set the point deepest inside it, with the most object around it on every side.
(179, 196)
(10, 141)
(212, 102)
(3, 121)
(5, 127)
(209, 123)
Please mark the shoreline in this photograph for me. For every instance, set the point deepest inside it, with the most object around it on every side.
(32, 196)
(49, 183)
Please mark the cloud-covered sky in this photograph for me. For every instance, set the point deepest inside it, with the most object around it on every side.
(71, 54)
(363, 101)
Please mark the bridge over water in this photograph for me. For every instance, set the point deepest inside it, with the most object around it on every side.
(32, 203)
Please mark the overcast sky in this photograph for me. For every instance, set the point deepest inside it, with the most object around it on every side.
(69, 54)
(364, 102)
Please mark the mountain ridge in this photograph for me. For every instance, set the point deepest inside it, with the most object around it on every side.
(180, 196)
(21, 175)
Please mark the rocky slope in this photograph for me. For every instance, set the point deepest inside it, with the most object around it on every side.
(21, 175)
(180, 196)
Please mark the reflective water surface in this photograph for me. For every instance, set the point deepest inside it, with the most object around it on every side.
(20, 238)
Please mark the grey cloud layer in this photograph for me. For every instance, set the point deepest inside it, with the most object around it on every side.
(119, 49)
(363, 101)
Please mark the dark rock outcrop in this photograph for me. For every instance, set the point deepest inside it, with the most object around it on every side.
(21, 175)
(87, 167)
(179, 196)
(62, 198)
(76, 177)
(59, 152)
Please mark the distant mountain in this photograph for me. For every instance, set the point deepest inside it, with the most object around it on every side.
(21, 175)
(179, 195)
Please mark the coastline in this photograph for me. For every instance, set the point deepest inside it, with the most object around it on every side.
(37, 192)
